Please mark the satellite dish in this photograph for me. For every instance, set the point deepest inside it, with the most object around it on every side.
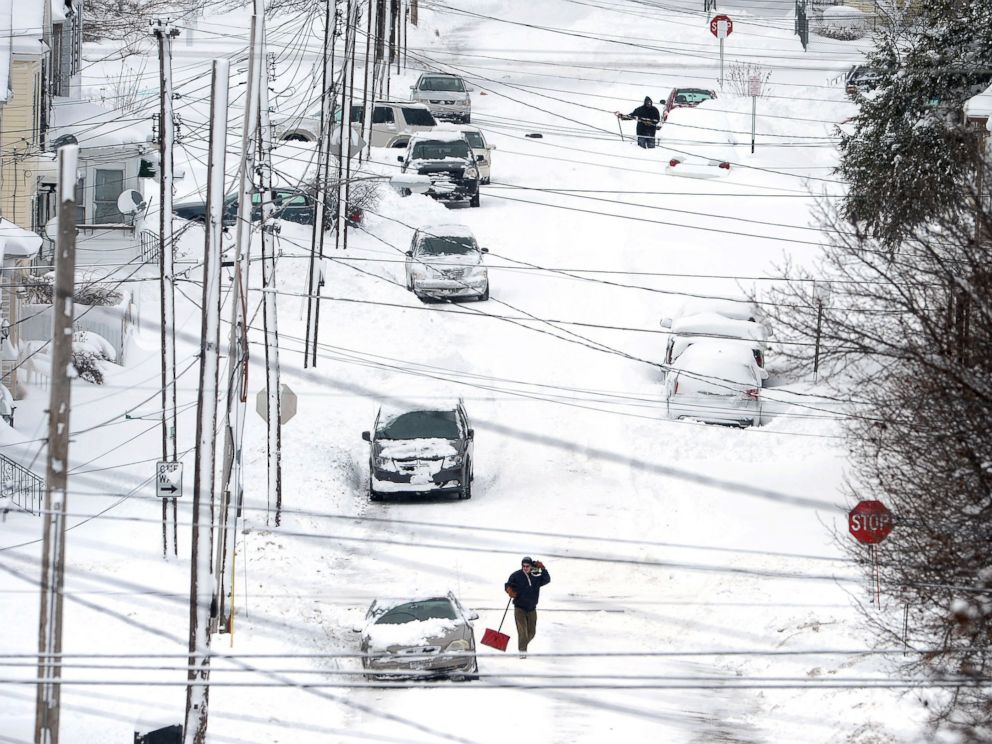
(130, 201)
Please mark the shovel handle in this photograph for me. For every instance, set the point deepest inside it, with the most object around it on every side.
(504, 614)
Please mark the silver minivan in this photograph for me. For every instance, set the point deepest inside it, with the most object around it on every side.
(447, 96)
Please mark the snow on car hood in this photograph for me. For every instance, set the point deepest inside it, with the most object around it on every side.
(452, 259)
(382, 636)
(402, 449)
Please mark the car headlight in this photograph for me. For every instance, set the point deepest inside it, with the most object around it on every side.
(452, 461)
(381, 462)
(471, 172)
(455, 646)
(476, 272)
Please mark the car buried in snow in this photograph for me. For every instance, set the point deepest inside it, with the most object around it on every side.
(445, 262)
(685, 98)
(421, 450)
(716, 382)
(428, 635)
(448, 160)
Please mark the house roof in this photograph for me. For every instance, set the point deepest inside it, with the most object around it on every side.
(979, 106)
(15, 241)
(5, 39)
(26, 28)
(93, 125)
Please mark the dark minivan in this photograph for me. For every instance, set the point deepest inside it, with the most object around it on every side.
(421, 450)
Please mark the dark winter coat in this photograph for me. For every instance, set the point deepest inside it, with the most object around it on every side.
(528, 588)
(647, 120)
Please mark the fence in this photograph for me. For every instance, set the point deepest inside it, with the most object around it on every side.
(149, 246)
(24, 488)
(113, 322)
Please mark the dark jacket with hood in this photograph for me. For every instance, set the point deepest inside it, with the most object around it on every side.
(647, 117)
(528, 588)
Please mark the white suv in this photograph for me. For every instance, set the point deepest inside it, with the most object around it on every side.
(392, 123)
(445, 95)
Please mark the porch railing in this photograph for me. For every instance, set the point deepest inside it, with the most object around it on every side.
(24, 488)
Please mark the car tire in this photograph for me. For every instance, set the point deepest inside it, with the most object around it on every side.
(474, 201)
(485, 295)
(466, 492)
(373, 494)
(409, 284)
(468, 119)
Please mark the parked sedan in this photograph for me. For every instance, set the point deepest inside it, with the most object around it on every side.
(421, 450)
(483, 151)
(685, 98)
(430, 635)
(445, 261)
(717, 382)
(291, 205)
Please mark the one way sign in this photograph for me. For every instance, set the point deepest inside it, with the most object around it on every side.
(169, 480)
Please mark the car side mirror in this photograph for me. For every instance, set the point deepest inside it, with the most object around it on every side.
(367, 436)
(469, 89)
(665, 322)
(399, 158)
(484, 250)
(492, 147)
(471, 433)
(409, 253)
(480, 158)
(413, 87)
(472, 615)
(357, 629)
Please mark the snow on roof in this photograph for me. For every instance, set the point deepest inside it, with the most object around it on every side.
(95, 126)
(5, 32)
(396, 406)
(16, 241)
(711, 324)
(26, 21)
(438, 135)
(727, 307)
(448, 230)
(980, 105)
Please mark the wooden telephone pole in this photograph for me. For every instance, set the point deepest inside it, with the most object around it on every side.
(49, 693)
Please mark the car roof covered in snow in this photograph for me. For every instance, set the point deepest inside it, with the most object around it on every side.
(384, 604)
(407, 404)
(438, 135)
(711, 324)
(447, 230)
(727, 307)
(439, 74)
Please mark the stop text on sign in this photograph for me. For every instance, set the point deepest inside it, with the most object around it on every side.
(870, 522)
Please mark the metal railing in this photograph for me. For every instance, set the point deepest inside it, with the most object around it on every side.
(149, 246)
(24, 488)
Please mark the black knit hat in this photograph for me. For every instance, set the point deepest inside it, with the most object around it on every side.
(526, 559)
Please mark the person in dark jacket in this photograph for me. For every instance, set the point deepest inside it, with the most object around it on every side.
(524, 587)
(647, 117)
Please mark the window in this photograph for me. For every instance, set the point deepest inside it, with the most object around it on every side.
(449, 84)
(107, 186)
(475, 140)
(382, 115)
(417, 117)
(79, 195)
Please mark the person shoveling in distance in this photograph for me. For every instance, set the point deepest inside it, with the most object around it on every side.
(647, 117)
(524, 589)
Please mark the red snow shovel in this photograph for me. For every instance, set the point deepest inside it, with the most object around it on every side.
(494, 638)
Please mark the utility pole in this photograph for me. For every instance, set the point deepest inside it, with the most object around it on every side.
(366, 97)
(237, 382)
(413, 12)
(201, 596)
(49, 693)
(165, 34)
(323, 172)
(344, 141)
(270, 323)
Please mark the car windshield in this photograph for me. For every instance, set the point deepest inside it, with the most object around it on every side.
(420, 425)
(437, 245)
(423, 610)
(452, 84)
(416, 117)
(692, 95)
(438, 150)
(475, 140)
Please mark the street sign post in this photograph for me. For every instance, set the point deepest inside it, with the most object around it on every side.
(721, 27)
(169, 480)
(754, 86)
(870, 522)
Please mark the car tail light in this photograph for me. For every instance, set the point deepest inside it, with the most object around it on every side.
(753, 393)
(725, 166)
(676, 391)
(673, 162)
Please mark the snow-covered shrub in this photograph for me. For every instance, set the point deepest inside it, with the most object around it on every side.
(40, 290)
(841, 22)
(89, 352)
(740, 74)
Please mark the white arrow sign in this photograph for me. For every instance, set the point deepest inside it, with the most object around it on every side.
(169, 480)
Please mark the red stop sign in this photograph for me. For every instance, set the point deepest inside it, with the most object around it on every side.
(715, 28)
(870, 522)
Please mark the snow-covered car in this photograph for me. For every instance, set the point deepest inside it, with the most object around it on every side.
(861, 79)
(421, 450)
(449, 161)
(447, 96)
(292, 205)
(483, 151)
(445, 261)
(717, 382)
(687, 330)
(697, 166)
(429, 635)
(392, 123)
(685, 98)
